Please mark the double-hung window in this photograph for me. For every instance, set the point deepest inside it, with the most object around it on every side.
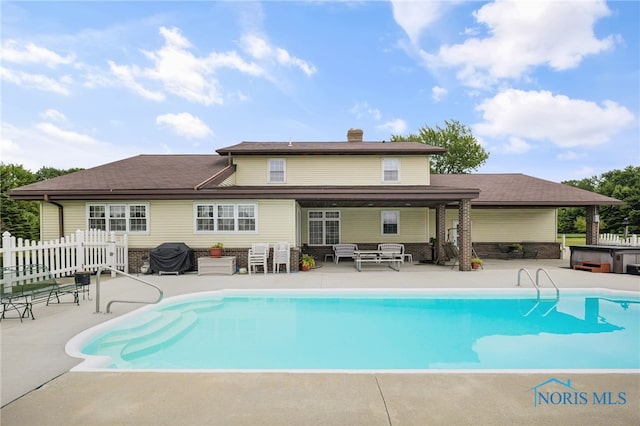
(390, 170)
(118, 217)
(225, 217)
(324, 227)
(390, 222)
(277, 170)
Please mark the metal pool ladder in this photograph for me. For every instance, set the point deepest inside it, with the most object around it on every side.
(536, 284)
(160, 295)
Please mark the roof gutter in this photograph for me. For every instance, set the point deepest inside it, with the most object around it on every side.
(60, 215)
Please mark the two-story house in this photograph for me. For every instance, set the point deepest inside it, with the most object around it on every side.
(310, 194)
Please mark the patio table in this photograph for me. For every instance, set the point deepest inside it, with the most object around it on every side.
(392, 258)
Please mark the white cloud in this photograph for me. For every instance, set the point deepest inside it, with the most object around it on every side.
(414, 16)
(396, 126)
(35, 81)
(363, 109)
(29, 53)
(66, 136)
(185, 124)
(53, 115)
(570, 155)
(438, 93)
(126, 75)
(259, 48)
(47, 145)
(543, 116)
(523, 35)
(192, 77)
(515, 146)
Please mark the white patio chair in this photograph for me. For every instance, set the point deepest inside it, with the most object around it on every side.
(344, 250)
(281, 255)
(398, 249)
(258, 255)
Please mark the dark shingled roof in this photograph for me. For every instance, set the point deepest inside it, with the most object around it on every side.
(516, 189)
(200, 176)
(331, 148)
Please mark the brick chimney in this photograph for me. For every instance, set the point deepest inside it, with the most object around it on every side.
(354, 135)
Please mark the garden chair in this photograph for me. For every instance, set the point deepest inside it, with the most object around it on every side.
(344, 250)
(258, 256)
(281, 256)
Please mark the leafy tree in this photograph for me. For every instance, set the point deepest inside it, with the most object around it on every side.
(464, 153)
(580, 224)
(621, 184)
(22, 218)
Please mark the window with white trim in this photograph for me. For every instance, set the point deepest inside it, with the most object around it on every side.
(225, 217)
(277, 170)
(390, 222)
(390, 170)
(324, 227)
(118, 217)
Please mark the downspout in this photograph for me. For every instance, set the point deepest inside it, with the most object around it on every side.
(60, 215)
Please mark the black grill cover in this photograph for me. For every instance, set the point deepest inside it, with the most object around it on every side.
(171, 257)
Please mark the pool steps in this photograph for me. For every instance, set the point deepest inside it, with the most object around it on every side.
(151, 332)
(155, 341)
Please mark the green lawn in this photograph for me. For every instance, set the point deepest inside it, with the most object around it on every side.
(574, 239)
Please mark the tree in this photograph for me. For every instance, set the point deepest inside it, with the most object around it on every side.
(464, 153)
(22, 218)
(621, 184)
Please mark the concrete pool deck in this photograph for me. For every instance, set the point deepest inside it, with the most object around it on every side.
(37, 387)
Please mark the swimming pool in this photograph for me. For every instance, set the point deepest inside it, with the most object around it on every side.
(370, 330)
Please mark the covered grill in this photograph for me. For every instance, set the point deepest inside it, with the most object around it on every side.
(173, 258)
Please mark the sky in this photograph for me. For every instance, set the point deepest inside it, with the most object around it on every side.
(550, 89)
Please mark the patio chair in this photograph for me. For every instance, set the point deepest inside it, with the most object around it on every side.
(394, 248)
(258, 255)
(344, 250)
(281, 255)
(452, 253)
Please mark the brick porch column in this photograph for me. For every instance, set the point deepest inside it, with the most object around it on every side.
(441, 231)
(592, 225)
(464, 235)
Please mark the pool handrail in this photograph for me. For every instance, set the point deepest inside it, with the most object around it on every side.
(535, 284)
(160, 296)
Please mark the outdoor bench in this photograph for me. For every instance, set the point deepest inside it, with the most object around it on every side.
(24, 286)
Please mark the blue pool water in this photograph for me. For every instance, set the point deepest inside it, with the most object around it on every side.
(372, 331)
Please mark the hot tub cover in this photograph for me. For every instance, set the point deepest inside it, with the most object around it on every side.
(171, 257)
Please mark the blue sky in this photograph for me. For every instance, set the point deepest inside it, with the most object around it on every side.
(550, 88)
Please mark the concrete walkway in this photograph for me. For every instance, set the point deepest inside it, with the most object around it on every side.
(37, 387)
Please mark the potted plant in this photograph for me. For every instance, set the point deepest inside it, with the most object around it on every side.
(307, 262)
(216, 249)
(476, 263)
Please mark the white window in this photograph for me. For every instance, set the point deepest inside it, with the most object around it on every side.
(118, 217)
(390, 170)
(390, 222)
(324, 227)
(277, 170)
(225, 217)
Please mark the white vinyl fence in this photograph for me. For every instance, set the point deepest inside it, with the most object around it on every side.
(83, 251)
(618, 240)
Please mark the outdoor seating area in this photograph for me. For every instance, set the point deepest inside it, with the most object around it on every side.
(23, 286)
